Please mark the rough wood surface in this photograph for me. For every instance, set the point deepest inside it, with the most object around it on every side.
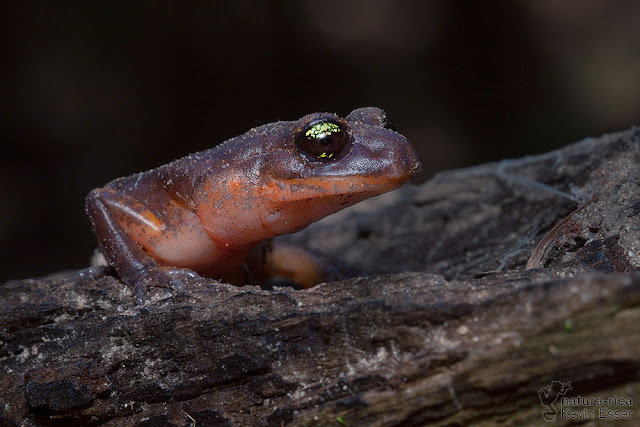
(449, 328)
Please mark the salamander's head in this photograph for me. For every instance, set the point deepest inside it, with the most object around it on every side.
(323, 163)
(325, 146)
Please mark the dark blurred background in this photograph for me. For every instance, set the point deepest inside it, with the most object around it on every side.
(96, 90)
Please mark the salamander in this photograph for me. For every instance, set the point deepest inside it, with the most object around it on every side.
(212, 213)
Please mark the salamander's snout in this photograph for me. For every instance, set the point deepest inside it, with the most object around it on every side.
(405, 159)
(391, 155)
(375, 138)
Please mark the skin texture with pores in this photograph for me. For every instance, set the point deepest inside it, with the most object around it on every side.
(212, 213)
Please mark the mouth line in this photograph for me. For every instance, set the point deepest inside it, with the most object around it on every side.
(349, 178)
(325, 187)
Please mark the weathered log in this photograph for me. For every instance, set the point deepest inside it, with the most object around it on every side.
(448, 328)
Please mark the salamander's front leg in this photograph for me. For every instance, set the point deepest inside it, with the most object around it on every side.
(109, 210)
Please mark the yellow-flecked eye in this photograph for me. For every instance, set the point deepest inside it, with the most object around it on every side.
(322, 129)
(322, 140)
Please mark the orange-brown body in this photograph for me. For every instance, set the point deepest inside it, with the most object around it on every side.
(209, 212)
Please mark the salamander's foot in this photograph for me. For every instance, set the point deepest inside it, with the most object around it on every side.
(166, 277)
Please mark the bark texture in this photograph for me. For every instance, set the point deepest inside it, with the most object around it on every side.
(484, 285)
